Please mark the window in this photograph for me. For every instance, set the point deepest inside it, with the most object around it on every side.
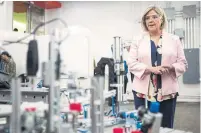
(26, 16)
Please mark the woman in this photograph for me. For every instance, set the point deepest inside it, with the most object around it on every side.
(157, 60)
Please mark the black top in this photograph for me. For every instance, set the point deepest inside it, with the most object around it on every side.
(156, 61)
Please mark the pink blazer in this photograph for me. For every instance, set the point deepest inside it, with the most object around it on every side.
(140, 58)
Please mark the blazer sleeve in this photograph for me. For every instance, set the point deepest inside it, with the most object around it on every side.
(134, 66)
(181, 64)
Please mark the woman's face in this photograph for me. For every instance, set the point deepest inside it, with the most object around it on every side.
(153, 21)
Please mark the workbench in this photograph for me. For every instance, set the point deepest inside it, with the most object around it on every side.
(28, 94)
(5, 111)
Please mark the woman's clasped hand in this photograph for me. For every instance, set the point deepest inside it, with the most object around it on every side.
(161, 69)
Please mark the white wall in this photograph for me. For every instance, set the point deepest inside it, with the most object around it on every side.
(102, 21)
(108, 19)
(6, 14)
(18, 51)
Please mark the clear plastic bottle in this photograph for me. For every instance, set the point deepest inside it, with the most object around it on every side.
(30, 116)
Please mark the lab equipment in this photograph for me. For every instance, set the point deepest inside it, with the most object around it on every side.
(68, 118)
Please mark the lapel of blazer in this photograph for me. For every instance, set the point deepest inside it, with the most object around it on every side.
(147, 47)
(164, 46)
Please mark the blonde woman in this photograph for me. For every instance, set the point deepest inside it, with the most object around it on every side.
(157, 60)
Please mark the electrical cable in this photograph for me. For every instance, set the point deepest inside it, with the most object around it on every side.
(1, 3)
(36, 29)
(66, 97)
(33, 60)
(58, 65)
(18, 41)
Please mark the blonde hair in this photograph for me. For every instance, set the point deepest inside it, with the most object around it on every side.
(160, 12)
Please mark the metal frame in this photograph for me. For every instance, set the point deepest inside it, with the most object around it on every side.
(3, 76)
(119, 68)
(97, 97)
(15, 125)
(26, 96)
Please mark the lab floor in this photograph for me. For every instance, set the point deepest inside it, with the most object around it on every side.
(187, 117)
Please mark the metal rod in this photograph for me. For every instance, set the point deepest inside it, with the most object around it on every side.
(173, 26)
(121, 87)
(45, 74)
(57, 106)
(93, 110)
(199, 40)
(100, 89)
(185, 38)
(106, 78)
(170, 22)
(168, 25)
(97, 103)
(51, 93)
(117, 58)
(117, 48)
(13, 42)
(16, 102)
(194, 33)
(51, 98)
(191, 33)
(188, 24)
